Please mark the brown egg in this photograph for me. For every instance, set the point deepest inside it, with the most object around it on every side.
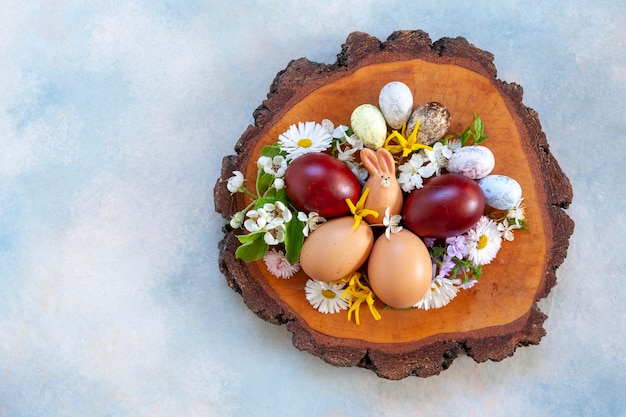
(335, 250)
(400, 269)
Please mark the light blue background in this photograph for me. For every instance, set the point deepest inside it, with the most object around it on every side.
(114, 118)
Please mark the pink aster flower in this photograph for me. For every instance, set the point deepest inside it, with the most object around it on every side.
(278, 266)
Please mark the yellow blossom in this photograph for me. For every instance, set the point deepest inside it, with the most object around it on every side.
(356, 292)
(404, 144)
(358, 210)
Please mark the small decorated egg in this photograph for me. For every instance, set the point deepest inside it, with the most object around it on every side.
(369, 125)
(474, 162)
(434, 122)
(335, 249)
(501, 192)
(400, 269)
(396, 103)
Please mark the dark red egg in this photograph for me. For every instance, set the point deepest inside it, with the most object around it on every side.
(448, 205)
(321, 183)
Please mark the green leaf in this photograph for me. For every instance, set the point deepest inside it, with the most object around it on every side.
(446, 139)
(252, 250)
(522, 223)
(294, 239)
(464, 137)
(249, 237)
(477, 272)
(263, 182)
(271, 150)
(479, 127)
(269, 197)
(475, 132)
(281, 195)
(437, 252)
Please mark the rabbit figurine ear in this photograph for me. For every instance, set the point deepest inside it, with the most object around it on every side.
(386, 164)
(379, 162)
(370, 161)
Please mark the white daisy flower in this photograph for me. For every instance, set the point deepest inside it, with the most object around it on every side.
(311, 221)
(441, 292)
(278, 266)
(325, 296)
(235, 183)
(483, 241)
(305, 138)
(465, 285)
(392, 223)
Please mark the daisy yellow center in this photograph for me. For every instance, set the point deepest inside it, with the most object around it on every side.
(434, 288)
(305, 142)
(482, 241)
(328, 294)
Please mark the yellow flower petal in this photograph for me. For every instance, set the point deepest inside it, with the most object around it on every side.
(358, 293)
(358, 210)
(404, 144)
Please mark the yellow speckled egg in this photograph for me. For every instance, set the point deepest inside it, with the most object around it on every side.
(400, 269)
(369, 125)
(335, 250)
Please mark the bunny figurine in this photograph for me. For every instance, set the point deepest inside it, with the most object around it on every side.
(384, 188)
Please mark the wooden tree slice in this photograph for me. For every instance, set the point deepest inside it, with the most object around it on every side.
(487, 321)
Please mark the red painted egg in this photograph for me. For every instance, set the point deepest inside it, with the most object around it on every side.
(321, 183)
(448, 205)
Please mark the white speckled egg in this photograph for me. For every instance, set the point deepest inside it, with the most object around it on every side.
(369, 124)
(501, 192)
(396, 103)
(474, 162)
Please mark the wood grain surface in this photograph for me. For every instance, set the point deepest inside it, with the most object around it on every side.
(488, 321)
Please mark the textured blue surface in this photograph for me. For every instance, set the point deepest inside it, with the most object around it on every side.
(114, 118)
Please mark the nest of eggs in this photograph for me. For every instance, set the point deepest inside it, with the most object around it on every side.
(371, 211)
